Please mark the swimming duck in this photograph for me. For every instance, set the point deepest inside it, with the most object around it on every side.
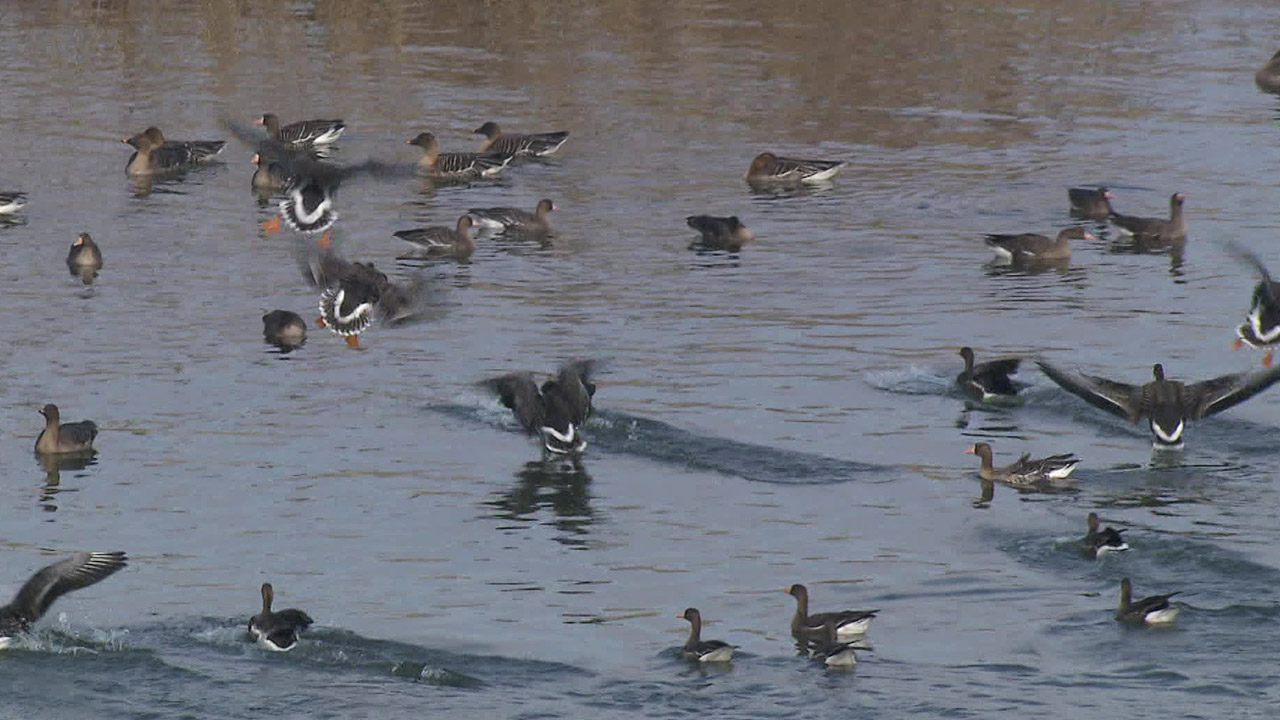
(1090, 203)
(720, 233)
(1268, 76)
(514, 220)
(1261, 326)
(440, 241)
(703, 650)
(1024, 471)
(197, 150)
(303, 132)
(277, 631)
(456, 166)
(284, 329)
(1154, 610)
(58, 438)
(530, 144)
(12, 202)
(154, 156)
(1097, 542)
(768, 168)
(1167, 404)
(52, 582)
(1032, 247)
(849, 624)
(989, 380)
(354, 294)
(557, 410)
(84, 259)
(269, 174)
(1155, 230)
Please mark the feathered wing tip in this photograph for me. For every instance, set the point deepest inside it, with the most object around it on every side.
(342, 315)
(319, 220)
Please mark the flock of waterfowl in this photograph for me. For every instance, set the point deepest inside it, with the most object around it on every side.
(291, 160)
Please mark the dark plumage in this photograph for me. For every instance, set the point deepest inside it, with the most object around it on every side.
(1024, 471)
(1154, 610)
(770, 169)
(720, 233)
(832, 651)
(198, 150)
(530, 144)
(59, 438)
(514, 220)
(1167, 404)
(269, 174)
(557, 410)
(51, 582)
(703, 650)
(303, 132)
(277, 630)
(989, 380)
(284, 329)
(440, 241)
(156, 156)
(1155, 231)
(355, 294)
(1090, 203)
(84, 259)
(1261, 326)
(1031, 247)
(1097, 541)
(849, 624)
(455, 166)
(1268, 76)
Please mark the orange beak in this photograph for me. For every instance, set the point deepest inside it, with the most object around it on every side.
(969, 452)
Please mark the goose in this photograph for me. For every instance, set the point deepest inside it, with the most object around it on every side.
(703, 650)
(52, 582)
(528, 144)
(554, 411)
(1154, 610)
(1024, 471)
(277, 631)
(849, 624)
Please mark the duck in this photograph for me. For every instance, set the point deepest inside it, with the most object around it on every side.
(153, 158)
(197, 150)
(284, 329)
(355, 294)
(1097, 543)
(768, 168)
(527, 145)
(1154, 610)
(303, 132)
(832, 651)
(720, 233)
(1032, 247)
(1168, 405)
(1024, 471)
(1261, 326)
(59, 438)
(556, 411)
(1091, 203)
(84, 259)
(703, 650)
(277, 631)
(52, 582)
(988, 381)
(269, 174)
(514, 220)
(1156, 231)
(849, 624)
(456, 166)
(1268, 76)
(11, 202)
(440, 241)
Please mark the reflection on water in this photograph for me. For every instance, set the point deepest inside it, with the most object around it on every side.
(560, 485)
(52, 466)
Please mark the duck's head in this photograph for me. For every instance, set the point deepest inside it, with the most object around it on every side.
(690, 614)
(154, 135)
(797, 591)
(489, 130)
(423, 140)
(762, 163)
(982, 450)
(50, 412)
(545, 206)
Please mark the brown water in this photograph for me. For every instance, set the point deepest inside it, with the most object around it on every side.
(784, 415)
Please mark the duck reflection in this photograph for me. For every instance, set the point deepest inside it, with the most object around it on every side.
(53, 465)
(560, 484)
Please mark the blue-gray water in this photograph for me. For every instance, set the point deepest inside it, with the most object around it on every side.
(781, 416)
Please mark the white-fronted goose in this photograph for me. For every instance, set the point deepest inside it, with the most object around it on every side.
(1155, 230)
(720, 233)
(1024, 471)
(989, 380)
(1098, 542)
(152, 157)
(284, 329)
(59, 438)
(440, 241)
(303, 132)
(84, 259)
(1154, 610)
(51, 582)
(456, 166)
(515, 220)
(1261, 326)
(277, 631)
(1167, 404)
(768, 168)
(12, 202)
(197, 151)
(556, 411)
(1268, 76)
(832, 651)
(849, 624)
(1090, 203)
(695, 648)
(354, 294)
(528, 144)
(268, 174)
(1032, 247)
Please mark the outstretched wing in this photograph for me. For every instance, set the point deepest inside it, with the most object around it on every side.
(519, 392)
(1209, 397)
(53, 581)
(1116, 398)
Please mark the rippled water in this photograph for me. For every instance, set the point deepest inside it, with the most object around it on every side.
(783, 415)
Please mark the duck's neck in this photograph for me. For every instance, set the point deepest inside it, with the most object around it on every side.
(695, 631)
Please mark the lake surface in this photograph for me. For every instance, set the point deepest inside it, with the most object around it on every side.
(783, 415)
